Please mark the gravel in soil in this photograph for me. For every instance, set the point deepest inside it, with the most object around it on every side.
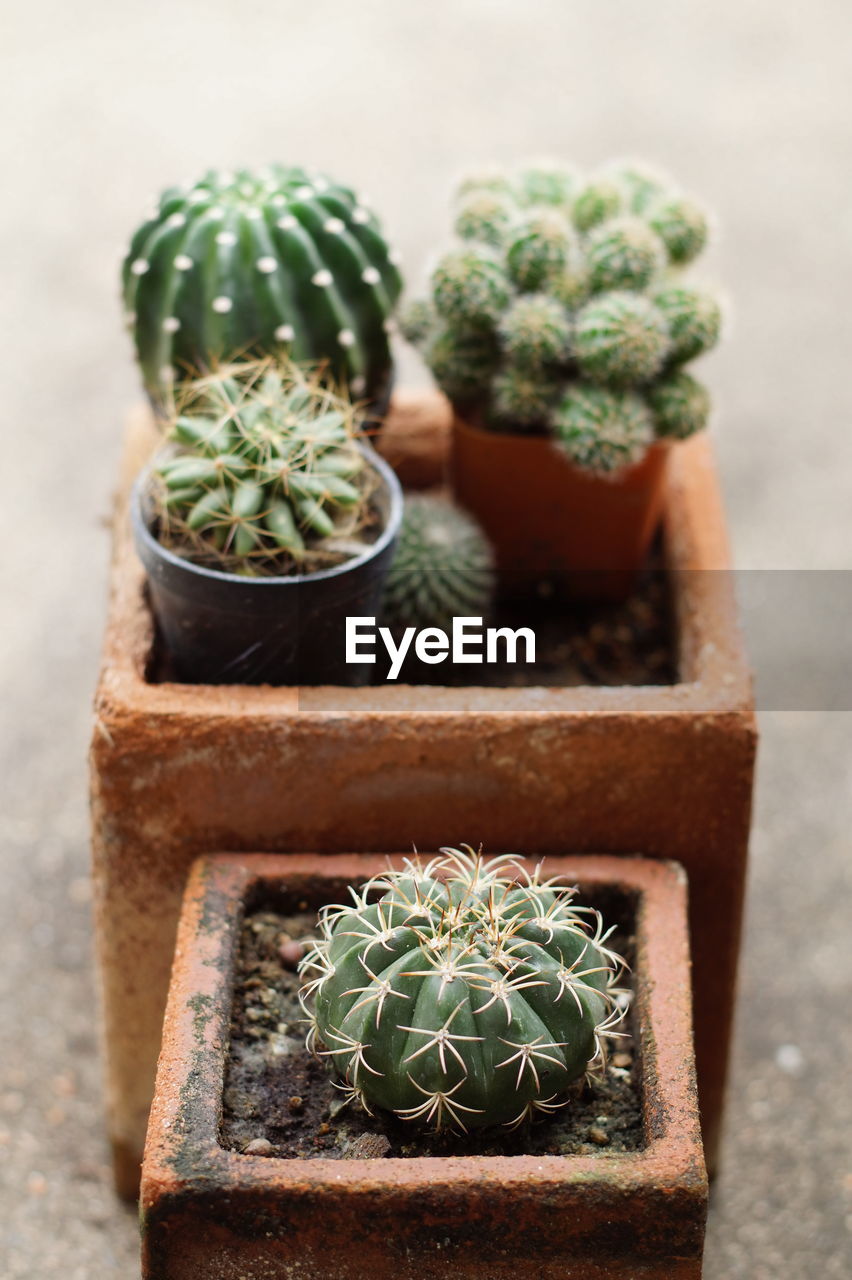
(280, 1101)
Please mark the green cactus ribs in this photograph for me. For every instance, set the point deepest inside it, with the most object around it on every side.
(262, 474)
(462, 993)
(260, 263)
(443, 567)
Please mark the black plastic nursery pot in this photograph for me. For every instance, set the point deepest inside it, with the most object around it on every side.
(220, 628)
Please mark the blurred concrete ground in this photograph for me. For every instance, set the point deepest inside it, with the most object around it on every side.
(102, 104)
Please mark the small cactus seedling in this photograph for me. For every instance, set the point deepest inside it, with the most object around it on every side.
(262, 474)
(443, 567)
(462, 993)
(603, 431)
(561, 280)
(278, 261)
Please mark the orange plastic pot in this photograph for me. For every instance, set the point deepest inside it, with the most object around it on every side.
(582, 535)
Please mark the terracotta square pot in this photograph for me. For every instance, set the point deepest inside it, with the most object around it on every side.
(210, 1212)
(179, 769)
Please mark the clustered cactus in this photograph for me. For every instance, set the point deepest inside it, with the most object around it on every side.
(262, 473)
(257, 263)
(462, 993)
(563, 310)
(443, 567)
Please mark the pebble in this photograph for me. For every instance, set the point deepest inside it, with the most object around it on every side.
(295, 1105)
(369, 1146)
(290, 953)
(258, 1147)
(597, 1135)
(622, 1060)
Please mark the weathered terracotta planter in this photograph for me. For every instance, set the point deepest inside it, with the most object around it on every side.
(179, 769)
(210, 1212)
(584, 535)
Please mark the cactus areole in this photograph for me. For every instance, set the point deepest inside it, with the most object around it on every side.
(461, 993)
(259, 263)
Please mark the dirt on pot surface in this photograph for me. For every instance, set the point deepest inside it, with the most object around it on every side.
(280, 1101)
(628, 642)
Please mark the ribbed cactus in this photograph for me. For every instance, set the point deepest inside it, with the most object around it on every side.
(603, 431)
(620, 339)
(462, 993)
(275, 261)
(443, 567)
(262, 474)
(680, 405)
(561, 280)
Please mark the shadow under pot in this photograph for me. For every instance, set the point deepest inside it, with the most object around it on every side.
(221, 628)
(555, 528)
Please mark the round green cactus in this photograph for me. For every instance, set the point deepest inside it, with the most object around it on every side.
(681, 224)
(443, 567)
(462, 361)
(485, 216)
(536, 331)
(603, 431)
(469, 287)
(620, 339)
(268, 262)
(522, 399)
(693, 317)
(680, 405)
(547, 183)
(461, 994)
(623, 253)
(641, 183)
(261, 470)
(541, 246)
(494, 180)
(598, 201)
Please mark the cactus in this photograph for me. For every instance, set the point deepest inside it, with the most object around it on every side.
(568, 280)
(693, 317)
(603, 431)
(463, 362)
(547, 183)
(417, 320)
(681, 224)
(469, 287)
(680, 405)
(542, 246)
(461, 994)
(443, 567)
(522, 399)
(623, 253)
(536, 331)
(598, 201)
(265, 263)
(262, 474)
(484, 215)
(620, 339)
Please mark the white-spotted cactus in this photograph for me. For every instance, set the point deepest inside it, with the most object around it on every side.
(262, 473)
(443, 567)
(278, 261)
(461, 994)
(603, 431)
(560, 281)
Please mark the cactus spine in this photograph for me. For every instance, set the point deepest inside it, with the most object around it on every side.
(261, 263)
(461, 994)
(560, 281)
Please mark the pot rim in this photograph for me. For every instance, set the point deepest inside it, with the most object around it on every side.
(390, 531)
